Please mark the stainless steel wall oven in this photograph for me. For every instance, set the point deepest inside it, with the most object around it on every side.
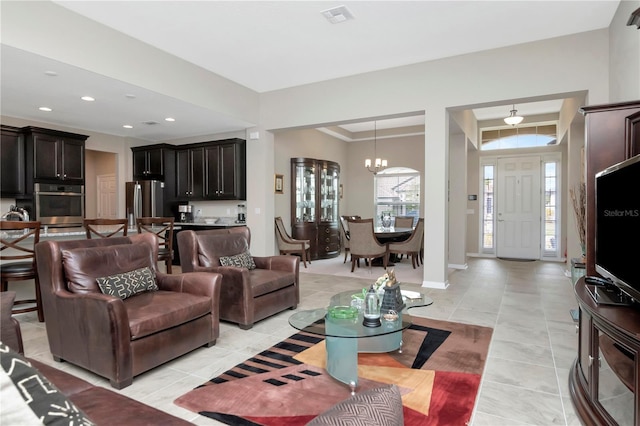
(59, 205)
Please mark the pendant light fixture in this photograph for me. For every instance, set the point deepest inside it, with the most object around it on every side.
(379, 163)
(513, 119)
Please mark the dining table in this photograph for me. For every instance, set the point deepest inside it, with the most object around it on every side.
(390, 235)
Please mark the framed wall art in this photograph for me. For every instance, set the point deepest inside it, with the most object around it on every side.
(278, 184)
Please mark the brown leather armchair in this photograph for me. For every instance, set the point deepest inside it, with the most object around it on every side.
(247, 296)
(122, 338)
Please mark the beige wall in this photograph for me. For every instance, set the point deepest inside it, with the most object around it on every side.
(357, 181)
(624, 55)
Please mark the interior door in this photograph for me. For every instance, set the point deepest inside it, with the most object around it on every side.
(107, 206)
(518, 207)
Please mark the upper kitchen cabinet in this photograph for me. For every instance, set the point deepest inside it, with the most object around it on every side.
(12, 162)
(190, 171)
(213, 170)
(226, 170)
(54, 156)
(153, 162)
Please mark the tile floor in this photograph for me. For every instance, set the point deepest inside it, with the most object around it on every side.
(527, 304)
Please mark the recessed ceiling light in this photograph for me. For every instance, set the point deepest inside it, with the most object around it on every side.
(169, 119)
(51, 73)
(87, 98)
(47, 109)
(128, 126)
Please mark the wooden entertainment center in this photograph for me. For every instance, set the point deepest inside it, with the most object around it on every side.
(605, 377)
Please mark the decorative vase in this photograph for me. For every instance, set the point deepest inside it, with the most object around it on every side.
(386, 221)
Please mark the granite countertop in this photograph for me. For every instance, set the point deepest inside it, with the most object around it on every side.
(213, 225)
(79, 231)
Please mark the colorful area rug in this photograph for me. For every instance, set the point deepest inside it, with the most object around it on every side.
(438, 373)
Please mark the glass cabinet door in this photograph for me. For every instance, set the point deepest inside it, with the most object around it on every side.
(328, 194)
(614, 368)
(305, 193)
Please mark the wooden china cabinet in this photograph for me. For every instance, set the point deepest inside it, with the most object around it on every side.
(314, 205)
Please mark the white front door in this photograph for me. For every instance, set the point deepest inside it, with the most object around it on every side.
(518, 207)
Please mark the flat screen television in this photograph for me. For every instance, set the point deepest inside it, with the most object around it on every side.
(617, 233)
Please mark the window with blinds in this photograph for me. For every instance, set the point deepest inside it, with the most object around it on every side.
(397, 192)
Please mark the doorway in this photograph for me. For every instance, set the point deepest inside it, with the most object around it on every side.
(518, 208)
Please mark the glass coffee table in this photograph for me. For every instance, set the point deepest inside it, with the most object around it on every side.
(345, 336)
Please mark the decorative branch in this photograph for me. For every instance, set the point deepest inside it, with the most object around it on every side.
(579, 201)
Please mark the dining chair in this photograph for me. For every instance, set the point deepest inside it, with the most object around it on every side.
(363, 243)
(411, 246)
(344, 231)
(162, 227)
(403, 222)
(17, 242)
(289, 245)
(105, 228)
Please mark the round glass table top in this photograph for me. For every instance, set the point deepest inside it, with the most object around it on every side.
(340, 319)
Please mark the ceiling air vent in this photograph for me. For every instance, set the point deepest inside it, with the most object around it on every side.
(150, 123)
(338, 14)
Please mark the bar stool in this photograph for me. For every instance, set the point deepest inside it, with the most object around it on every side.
(163, 228)
(105, 228)
(17, 242)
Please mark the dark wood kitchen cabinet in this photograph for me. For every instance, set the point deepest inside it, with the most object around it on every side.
(214, 170)
(153, 162)
(226, 170)
(190, 171)
(12, 162)
(54, 156)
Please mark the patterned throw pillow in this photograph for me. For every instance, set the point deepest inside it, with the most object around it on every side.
(29, 398)
(377, 406)
(129, 283)
(242, 260)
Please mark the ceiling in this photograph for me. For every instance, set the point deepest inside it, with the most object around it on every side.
(270, 45)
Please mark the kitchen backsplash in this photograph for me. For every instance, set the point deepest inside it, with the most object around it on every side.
(220, 209)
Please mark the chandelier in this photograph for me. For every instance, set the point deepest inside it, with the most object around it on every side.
(379, 163)
(513, 118)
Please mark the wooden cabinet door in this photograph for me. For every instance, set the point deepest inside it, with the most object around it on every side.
(212, 178)
(197, 166)
(139, 164)
(72, 158)
(12, 162)
(46, 151)
(190, 173)
(155, 163)
(227, 171)
(183, 176)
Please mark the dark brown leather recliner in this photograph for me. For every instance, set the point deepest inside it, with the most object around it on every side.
(122, 338)
(102, 406)
(247, 296)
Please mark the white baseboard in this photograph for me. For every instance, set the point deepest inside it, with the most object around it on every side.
(456, 266)
(435, 284)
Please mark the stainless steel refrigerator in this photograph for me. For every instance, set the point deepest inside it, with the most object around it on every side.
(145, 198)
